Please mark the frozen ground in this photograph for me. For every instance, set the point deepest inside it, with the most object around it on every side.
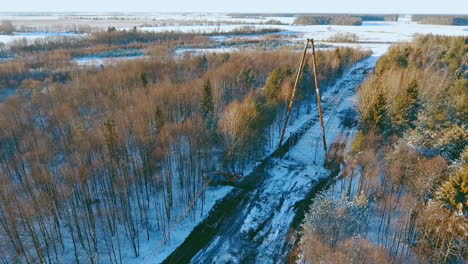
(181, 51)
(5, 59)
(5, 93)
(110, 57)
(103, 61)
(378, 49)
(255, 228)
(265, 220)
(370, 31)
(384, 32)
(149, 248)
(61, 21)
(375, 31)
(257, 231)
(155, 252)
(35, 35)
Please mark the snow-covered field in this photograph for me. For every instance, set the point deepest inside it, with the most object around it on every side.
(110, 57)
(181, 51)
(98, 61)
(386, 32)
(369, 31)
(35, 35)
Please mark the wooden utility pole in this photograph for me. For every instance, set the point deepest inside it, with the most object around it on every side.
(317, 91)
(293, 94)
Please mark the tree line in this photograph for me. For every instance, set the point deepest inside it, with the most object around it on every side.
(406, 176)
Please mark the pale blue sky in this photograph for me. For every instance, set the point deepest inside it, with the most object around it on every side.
(322, 6)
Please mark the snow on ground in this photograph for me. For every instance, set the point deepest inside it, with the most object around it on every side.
(378, 31)
(305, 183)
(35, 35)
(213, 194)
(5, 59)
(272, 207)
(182, 230)
(5, 93)
(380, 230)
(181, 51)
(139, 17)
(110, 57)
(375, 31)
(300, 169)
(204, 28)
(153, 250)
(98, 61)
(258, 232)
(214, 17)
(385, 32)
(378, 49)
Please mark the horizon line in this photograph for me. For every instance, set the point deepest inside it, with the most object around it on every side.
(216, 12)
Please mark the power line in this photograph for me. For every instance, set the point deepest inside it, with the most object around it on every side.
(317, 91)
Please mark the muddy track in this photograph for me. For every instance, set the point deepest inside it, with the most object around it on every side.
(223, 236)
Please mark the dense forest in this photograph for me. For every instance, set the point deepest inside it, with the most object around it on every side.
(441, 19)
(328, 20)
(96, 160)
(340, 19)
(403, 194)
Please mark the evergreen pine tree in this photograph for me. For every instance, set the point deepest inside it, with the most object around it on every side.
(207, 107)
(273, 85)
(158, 119)
(412, 99)
(405, 108)
(377, 114)
(454, 193)
(111, 138)
(247, 79)
(144, 79)
(204, 63)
